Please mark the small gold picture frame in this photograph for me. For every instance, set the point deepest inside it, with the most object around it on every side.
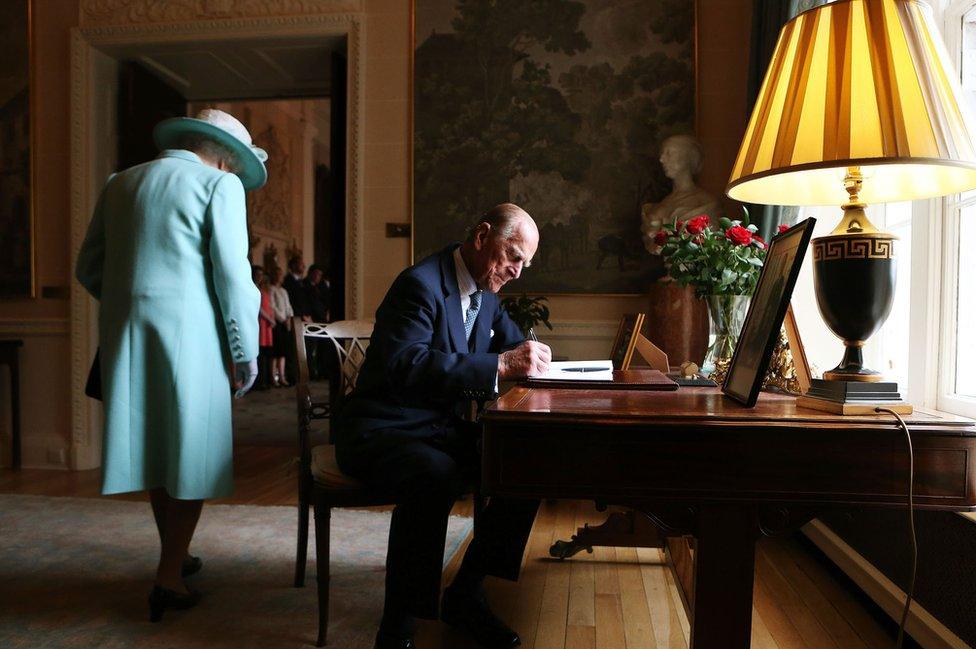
(800, 363)
(622, 351)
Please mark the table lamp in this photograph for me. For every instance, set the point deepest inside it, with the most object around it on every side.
(860, 105)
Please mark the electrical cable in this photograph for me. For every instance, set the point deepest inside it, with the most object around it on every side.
(911, 524)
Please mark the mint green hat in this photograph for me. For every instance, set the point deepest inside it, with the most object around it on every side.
(223, 128)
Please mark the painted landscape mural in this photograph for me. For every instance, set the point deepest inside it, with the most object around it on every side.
(558, 106)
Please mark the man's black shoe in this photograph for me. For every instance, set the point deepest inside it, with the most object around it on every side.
(384, 641)
(469, 612)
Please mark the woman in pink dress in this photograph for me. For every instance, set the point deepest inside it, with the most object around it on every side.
(266, 323)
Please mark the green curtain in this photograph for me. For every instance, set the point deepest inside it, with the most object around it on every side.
(768, 18)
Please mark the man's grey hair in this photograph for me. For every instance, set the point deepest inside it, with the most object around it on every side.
(504, 219)
(205, 147)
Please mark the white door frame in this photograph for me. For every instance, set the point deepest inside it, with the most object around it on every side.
(87, 46)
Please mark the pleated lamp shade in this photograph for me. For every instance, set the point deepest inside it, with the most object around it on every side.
(857, 83)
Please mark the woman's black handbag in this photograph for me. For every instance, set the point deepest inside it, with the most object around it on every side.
(93, 386)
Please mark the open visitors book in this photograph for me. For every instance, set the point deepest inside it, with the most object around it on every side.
(577, 371)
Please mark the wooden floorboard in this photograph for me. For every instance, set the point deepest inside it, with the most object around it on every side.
(786, 597)
(665, 617)
(621, 598)
(811, 598)
(633, 602)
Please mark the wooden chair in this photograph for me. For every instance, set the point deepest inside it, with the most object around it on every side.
(321, 483)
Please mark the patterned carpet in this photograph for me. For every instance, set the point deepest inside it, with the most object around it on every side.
(75, 572)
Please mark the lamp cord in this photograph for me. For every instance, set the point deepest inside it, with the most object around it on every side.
(911, 524)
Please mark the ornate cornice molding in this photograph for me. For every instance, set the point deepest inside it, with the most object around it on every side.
(355, 164)
(212, 28)
(82, 318)
(161, 11)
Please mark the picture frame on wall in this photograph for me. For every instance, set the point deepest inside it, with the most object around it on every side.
(16, 152)
(767, 310)
(559, 106)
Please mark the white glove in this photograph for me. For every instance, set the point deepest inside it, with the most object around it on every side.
(244, 375)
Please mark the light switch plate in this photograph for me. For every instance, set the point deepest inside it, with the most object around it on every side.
(397, 230)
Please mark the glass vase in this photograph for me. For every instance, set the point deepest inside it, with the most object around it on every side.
(726, 314)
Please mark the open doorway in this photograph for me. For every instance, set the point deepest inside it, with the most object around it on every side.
(95, 52)
(291, 96)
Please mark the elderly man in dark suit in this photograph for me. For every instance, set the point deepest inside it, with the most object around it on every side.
(442, 340)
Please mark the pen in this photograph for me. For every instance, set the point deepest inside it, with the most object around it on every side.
(584, 369)
(532, 335)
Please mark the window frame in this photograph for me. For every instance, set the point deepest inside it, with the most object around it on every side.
(944, 230)
(934, 274)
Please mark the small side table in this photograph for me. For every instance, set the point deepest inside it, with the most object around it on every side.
(9, 352)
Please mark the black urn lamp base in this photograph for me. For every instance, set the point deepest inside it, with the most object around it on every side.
(853, 397)
(854, 275)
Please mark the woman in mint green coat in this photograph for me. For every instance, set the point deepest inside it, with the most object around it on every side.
(166, 257)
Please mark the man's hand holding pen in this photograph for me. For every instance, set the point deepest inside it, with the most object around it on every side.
(529, 358)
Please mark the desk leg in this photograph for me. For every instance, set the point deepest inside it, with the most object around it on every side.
(725, 558)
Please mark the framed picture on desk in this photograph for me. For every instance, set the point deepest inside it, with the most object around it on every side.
(766, 312)
(622, 351)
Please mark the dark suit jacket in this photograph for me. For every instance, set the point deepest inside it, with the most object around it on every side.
(296, 294)
(418, 366)
(316, 300)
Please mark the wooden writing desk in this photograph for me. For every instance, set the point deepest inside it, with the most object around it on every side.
(699, 464)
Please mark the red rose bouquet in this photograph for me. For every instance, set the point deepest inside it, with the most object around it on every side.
(716, 261)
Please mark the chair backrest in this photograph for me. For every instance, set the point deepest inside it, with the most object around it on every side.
(350, 338)
(346, 346)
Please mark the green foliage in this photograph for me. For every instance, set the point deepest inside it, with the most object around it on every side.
(623, 112)
(672, 20)
(710, 259)
(515, 102)
(487, 112)
(516, 25)
(527, 311)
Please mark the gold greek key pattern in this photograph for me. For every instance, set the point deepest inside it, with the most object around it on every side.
(853, 249)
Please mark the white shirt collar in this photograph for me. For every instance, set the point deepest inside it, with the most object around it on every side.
(466, 283)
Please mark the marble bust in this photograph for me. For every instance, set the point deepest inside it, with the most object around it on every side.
(681, 158)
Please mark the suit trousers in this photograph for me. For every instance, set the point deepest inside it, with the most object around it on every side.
(425, 476)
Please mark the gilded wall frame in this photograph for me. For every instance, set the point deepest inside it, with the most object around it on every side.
(572, 112)
(17, 151)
